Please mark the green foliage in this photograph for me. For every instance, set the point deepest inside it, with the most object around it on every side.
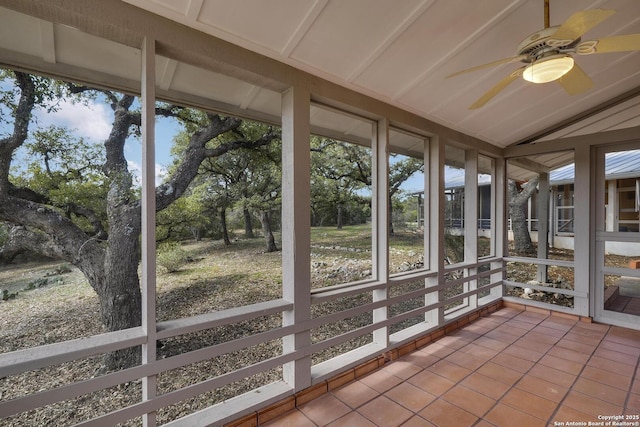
(6, 295)
(454, 248)
(185, 218)
(340, 182)
(38, 283)
(66, 170)
(172, 257)
(47, 92)
(4, 233)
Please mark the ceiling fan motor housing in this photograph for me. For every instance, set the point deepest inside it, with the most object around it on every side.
(541, 44)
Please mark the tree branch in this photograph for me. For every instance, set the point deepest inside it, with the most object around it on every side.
(197, 152)
(20, 127)
(21, 239)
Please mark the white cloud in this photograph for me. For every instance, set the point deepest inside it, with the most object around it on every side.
(92, 120)
(136, 170)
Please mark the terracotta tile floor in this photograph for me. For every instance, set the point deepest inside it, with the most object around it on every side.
(511, 368)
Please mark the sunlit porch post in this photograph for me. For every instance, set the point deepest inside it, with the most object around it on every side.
(471, 222)
(543, 225)
(148, 222)
(434, 219)
(296, 268)
(380, 219)
(499, 217)
(584, 271)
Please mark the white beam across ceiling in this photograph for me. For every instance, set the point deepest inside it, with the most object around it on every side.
(167, 74)
(47, 36)
(460, 47)
(193, 10)
(399, 30)
(304, 26)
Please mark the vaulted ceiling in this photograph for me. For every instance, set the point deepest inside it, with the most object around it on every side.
(399, 52)
(402, 51)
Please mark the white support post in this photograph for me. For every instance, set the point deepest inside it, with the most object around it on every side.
(296, 240)
(493, 210)
(471, 220)
(380, 218)
(612, 205)
(553, 216)
(149, 384)
(500, 222)
(543, 225)
(582, 229)
(426, 206)
(436, 226)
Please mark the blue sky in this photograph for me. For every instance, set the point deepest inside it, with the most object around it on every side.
(92, 120)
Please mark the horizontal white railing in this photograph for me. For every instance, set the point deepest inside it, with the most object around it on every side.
(30, 359)
(20, 361)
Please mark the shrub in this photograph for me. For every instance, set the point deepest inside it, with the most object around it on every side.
(172, 257)
(63, 268)
(38, 283)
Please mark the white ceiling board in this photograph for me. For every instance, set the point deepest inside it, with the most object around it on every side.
(84, 50)
(400, 52)
(565, 109)
(180, 7)
(405, 143)
(268, 102)
(357, 27)
(421, 47)
(13, 23)
(269, 23)
(617, 117)
(331, 123)
(206, 84)
(396, 51)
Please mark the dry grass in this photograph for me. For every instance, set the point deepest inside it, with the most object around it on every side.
(217, 278)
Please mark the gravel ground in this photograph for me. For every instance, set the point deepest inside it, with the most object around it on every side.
(218, 278)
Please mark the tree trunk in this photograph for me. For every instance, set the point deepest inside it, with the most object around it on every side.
(223, 224)
(110, 267)
(268, 234)
(248, 224)
(390, 216)
(195, 232)
(517, 211)
(118, 287)
(521, 238)
(339, 219)
(120, 308)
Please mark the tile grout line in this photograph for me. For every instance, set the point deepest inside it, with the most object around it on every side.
(512, 386)
(500, 321)
(404, 380)
(475, 370)
(633, 379)
(578, 376)
(439, 360)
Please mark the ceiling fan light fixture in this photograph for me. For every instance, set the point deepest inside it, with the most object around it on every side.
(548, 69)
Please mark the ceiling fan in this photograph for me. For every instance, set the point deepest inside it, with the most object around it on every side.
(547, 54)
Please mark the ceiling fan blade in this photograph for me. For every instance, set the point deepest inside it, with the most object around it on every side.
(581, 22)
(622, 43)
(496, 89)
(489, 65)
(575, 81)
